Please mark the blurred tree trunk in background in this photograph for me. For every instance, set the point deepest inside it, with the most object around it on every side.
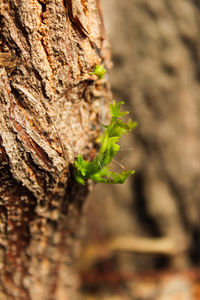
(155, 46)
(49, 112)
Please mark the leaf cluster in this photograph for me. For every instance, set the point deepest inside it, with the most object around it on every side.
(99, 71)
(96, 169)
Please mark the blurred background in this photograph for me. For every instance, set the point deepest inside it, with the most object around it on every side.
(142, 238)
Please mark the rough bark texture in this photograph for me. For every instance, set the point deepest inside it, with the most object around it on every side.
(155, 46)
(49, 112)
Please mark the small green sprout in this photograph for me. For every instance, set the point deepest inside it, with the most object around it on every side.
(96, 169)
(99, 70)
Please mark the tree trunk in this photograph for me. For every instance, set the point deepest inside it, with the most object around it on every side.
(50, 111)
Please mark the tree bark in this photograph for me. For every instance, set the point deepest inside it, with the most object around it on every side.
(50, 111)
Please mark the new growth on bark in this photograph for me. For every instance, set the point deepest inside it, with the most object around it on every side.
(50, 111)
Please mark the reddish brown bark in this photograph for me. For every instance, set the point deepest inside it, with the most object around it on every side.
(49, 112)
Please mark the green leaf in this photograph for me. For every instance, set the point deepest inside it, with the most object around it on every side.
(99, 70)
(96, 169)
(114, 109)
